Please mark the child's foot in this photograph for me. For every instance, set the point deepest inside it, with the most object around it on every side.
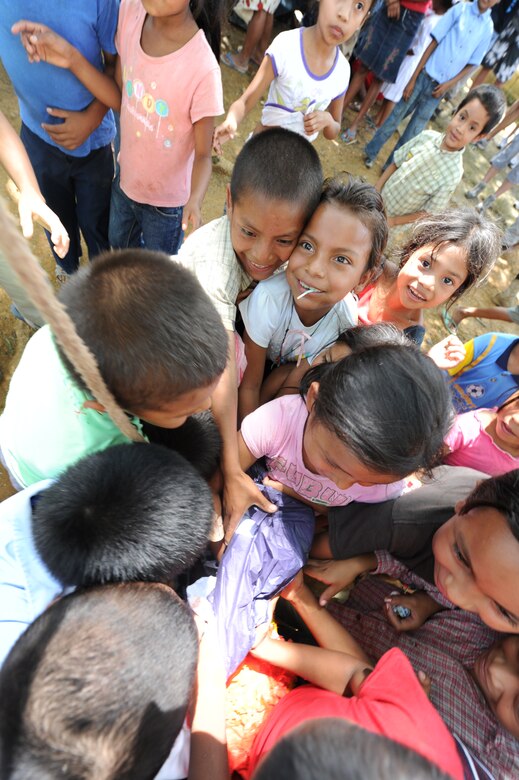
(474, 192)
(452, 320)
(349, 136)
(368, 162)
(230, 60)
(61, 275)
(482, 207)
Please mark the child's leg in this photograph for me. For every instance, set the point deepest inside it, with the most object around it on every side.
(384, 112)
(52, 170)
(253, 36)
(93, 176)
(423, 111)
(264, 41)
(368, 101)
(124, 227)
(162, 228)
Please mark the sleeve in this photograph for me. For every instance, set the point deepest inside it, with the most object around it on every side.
(344, 77)
(208, 97)
(260, 315)
(276, 52)
(481, 49)
(407, 150)
(260, 427)
(447, 21)
(107, 15)
(464, 430)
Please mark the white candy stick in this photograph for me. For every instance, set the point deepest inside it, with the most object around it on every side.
(306, 292)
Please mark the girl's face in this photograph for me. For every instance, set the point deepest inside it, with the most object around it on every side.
(507, 427)
(324, 454)
(329, 261)
(339, 19)
(431, 276)
(497, 674)
(333, 353)
(477, 566)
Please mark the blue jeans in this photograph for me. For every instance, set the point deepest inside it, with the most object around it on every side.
(78, 190)
(137, 225)
(421, 104)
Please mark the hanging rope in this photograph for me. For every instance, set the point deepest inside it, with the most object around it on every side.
(39, 289)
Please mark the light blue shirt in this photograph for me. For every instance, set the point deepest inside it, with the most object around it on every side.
(463, 36)
(26, 585)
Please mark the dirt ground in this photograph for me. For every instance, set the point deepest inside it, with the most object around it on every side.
(335, 157)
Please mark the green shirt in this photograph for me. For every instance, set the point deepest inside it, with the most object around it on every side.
(45, 427)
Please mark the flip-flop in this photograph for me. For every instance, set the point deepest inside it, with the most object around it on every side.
(370, 123)
(349, 136)
(228, 60)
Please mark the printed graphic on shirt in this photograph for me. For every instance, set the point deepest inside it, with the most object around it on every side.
(308, 487)
(150, 110)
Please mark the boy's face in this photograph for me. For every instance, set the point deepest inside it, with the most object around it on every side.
(497, 674)
(484, 5)
(263, 232)
(175, 412)
(466, 126)
(477, 566)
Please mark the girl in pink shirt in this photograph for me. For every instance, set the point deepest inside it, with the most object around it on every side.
(486, 439)
(167, 86)
(358, 427)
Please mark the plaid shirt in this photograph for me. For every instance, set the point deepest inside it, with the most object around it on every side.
(425, 178)
(445, 647)
(209, 253)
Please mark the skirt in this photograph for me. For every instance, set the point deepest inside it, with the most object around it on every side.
(503, 56)
(386, 42)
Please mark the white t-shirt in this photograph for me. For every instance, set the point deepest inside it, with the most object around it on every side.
(295, 90)
(272, 322)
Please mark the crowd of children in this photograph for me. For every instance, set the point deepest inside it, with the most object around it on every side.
(262, 408)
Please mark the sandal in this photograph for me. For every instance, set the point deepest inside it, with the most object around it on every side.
(228, 60)
(349, 136)
(448, 321)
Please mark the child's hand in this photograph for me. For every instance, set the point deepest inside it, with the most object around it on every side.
(393, 9)
(43, 45)
(336, 574)
(408, 91)
(441, 89)
(224, 132)
(76, 126)
(240, 493)
(448, 352)
(32, 206)
(191, 216)
(316, 121)
(420, 607)
(426, 682)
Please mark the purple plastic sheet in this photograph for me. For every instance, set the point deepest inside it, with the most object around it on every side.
(265, 554)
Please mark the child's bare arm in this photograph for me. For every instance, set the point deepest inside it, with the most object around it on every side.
(43, 44)
(404, 219)
(339, 574)
(385, 176)
(241, 107)
(202, 167)
(250, 386)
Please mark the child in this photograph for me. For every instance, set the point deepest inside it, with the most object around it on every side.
(428, 168)
(31, 205)
(168, 89)
(275, 187)
(129, 513)
(459, 42)
(113, 668)
(295, 314)
(488, 372)
(486, 439)
(387, 698)
(344, 438)
(474, 560)
(307, 74)
(446, 254)
(143, 317)
(66, 132)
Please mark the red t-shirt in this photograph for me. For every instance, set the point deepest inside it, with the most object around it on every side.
(391, 702)
(415, 5)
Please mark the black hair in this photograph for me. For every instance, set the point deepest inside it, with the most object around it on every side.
(493, 101)
(479, 237)
(198, 440)
(501, 493)
(153, 330)
(336, 749)
(362, 200)
(446, 4)
(373, 335)
(98, 687)
(129, 513)
(279, 165)
(208, 15)
(389, 404)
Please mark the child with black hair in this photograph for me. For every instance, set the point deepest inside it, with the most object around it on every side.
(445, 256)
(115, 665)
(134, 512)
(275, 187)
(144, 318)
(428, 168)
(343, 439)
(167, 86)
(295, 314)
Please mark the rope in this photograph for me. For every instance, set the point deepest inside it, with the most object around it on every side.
(39, 289)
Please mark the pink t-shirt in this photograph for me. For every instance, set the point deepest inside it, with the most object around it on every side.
(470, 445)
(275, 431)
(162, 97)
